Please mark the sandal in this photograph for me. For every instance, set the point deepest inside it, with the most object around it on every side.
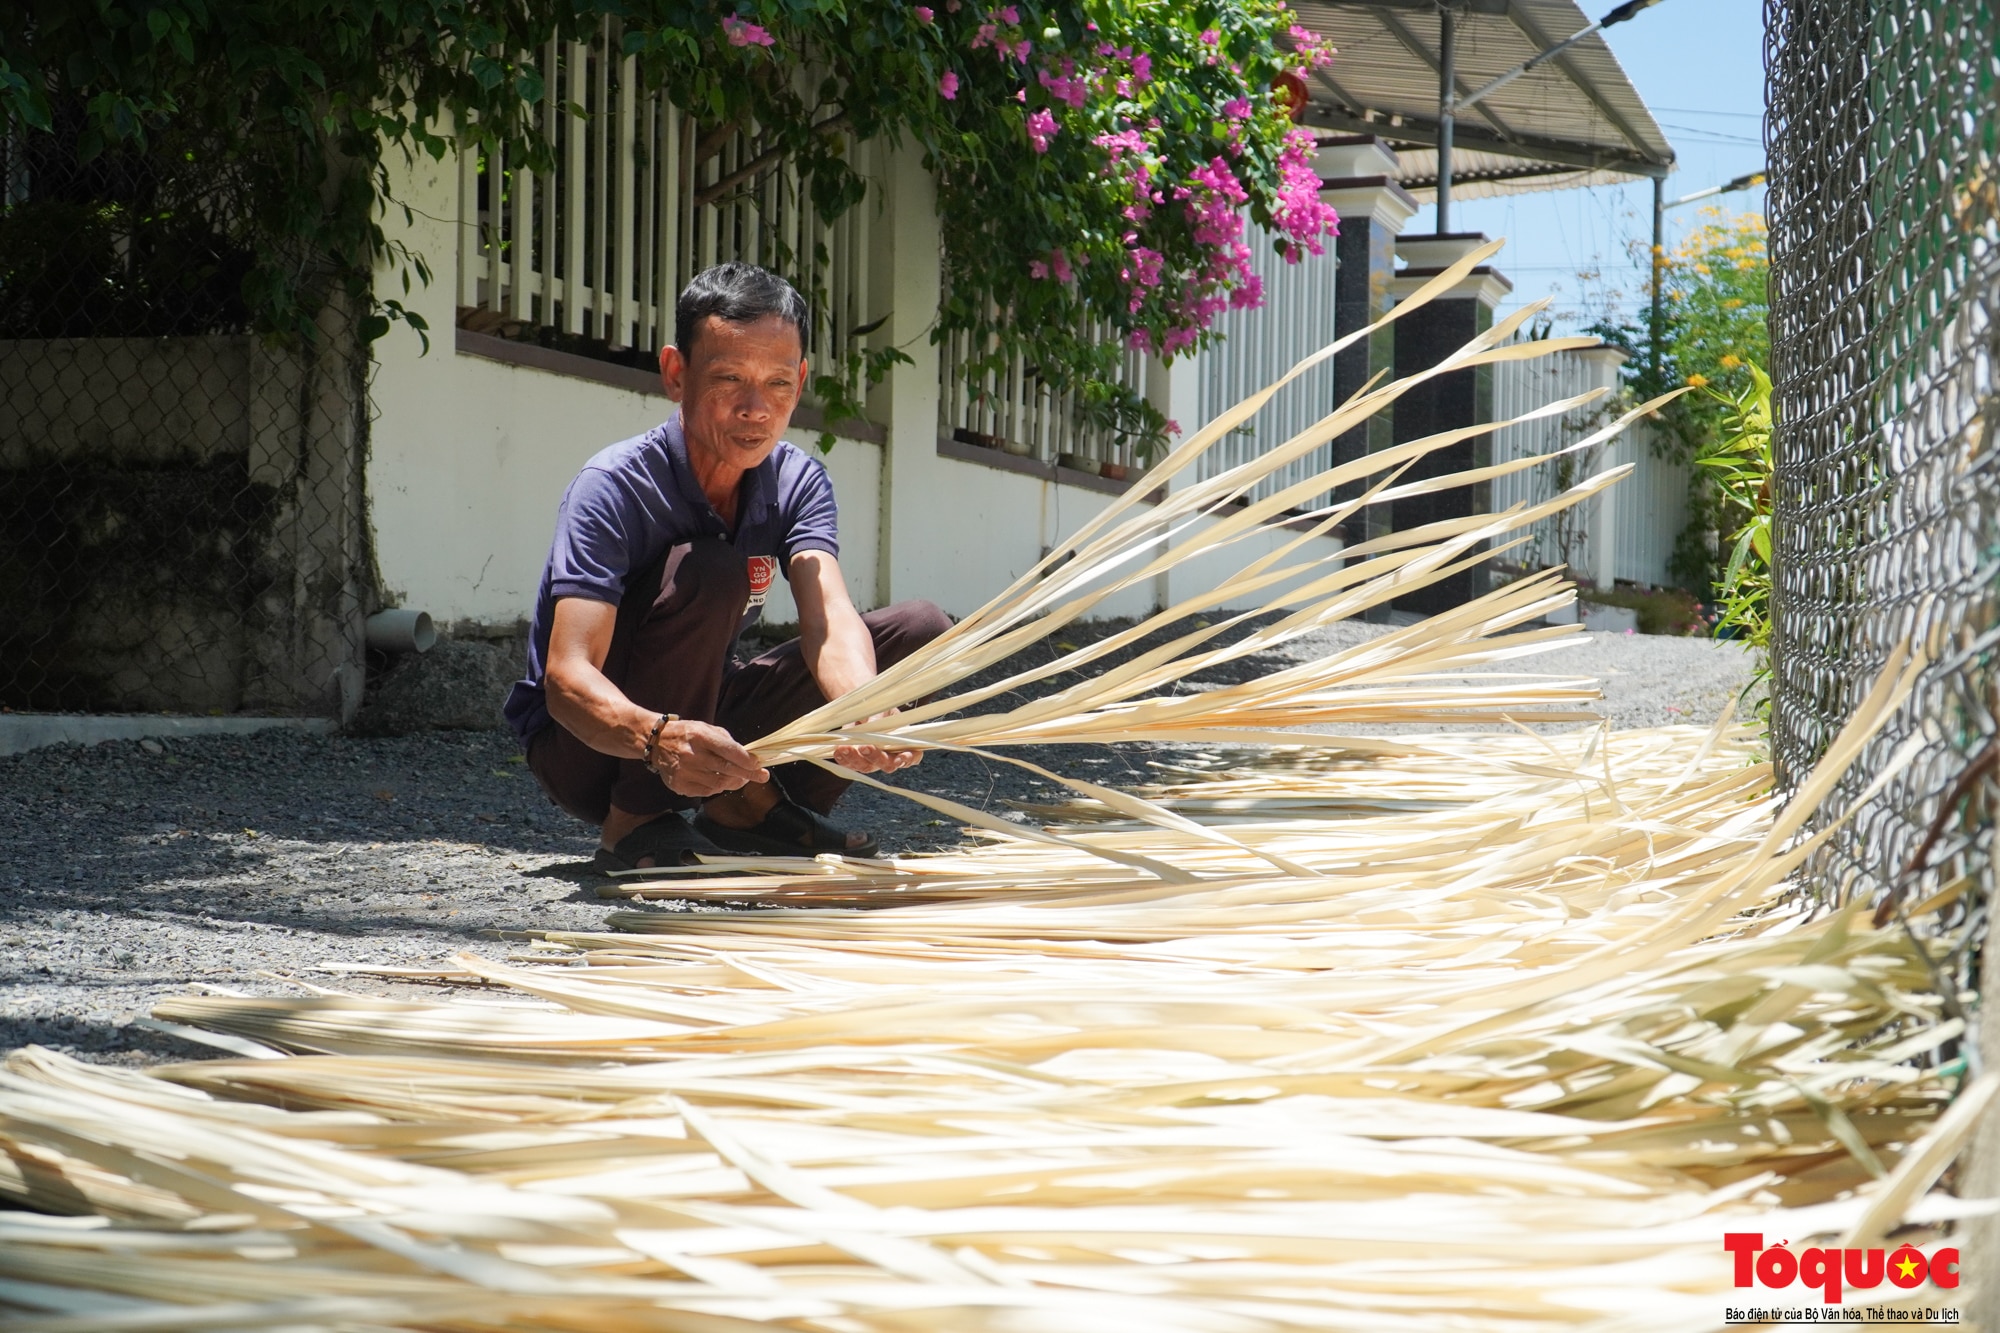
(788, 830)
(668, 840)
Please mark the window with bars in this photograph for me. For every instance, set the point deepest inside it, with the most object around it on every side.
(589, 255)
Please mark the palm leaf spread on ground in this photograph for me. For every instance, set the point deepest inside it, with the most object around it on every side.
(1452, 1030)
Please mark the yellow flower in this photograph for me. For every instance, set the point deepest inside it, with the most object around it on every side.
(1731, 361)
(1732, 303)
(1698, 381)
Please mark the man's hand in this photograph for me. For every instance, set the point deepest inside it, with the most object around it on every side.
(696, 759)
(875, 758)
(693, 758)
(839, 652)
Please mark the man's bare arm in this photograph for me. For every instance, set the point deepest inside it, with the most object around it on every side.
(694, 758)
(838, 650)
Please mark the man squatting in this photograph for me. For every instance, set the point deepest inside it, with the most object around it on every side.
(635, 703)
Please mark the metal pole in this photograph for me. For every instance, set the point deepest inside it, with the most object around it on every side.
(1659, 266)
(1616, 16)
(1447, 100)
(1660, 206)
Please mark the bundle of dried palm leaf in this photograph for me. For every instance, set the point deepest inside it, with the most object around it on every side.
(1447, 1031)
(1400, 679)
(1002, 1135)
(1521, 1069)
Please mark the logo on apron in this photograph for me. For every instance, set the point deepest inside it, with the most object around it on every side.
(762, 568)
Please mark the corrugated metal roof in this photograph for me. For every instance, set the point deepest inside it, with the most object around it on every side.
(1571, 121)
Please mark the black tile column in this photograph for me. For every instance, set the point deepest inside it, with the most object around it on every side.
(1423, 338)
(1359, 181)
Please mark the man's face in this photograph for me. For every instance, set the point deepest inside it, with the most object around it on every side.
(736, 388)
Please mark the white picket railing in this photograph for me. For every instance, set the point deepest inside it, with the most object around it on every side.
(1019, 412)
(1260, 345)
(1629, 533)
(600, 246)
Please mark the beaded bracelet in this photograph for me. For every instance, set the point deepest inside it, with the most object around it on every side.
(653, 739)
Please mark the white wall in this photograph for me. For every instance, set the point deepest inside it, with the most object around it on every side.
(468, 456)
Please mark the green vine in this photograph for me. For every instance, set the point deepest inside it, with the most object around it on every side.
(1094, 158)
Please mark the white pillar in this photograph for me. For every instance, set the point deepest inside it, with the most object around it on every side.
(905, 277)
(1610, 509)
(1176, 391)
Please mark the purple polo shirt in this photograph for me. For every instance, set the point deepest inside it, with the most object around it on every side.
(637, 499)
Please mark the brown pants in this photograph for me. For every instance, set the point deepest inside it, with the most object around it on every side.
(672, 652)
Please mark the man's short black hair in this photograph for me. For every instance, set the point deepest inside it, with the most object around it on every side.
(741, 294)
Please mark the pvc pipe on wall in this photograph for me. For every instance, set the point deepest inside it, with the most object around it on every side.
(401, 631)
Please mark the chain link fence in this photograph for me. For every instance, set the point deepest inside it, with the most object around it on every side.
(1884, 135)
(180, 496)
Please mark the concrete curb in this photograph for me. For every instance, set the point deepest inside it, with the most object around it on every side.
(20, 732)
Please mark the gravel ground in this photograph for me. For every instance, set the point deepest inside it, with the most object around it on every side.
(134, 869)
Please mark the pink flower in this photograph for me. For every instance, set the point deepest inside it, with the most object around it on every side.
(1065, 87)
(1010, 16)
(1059, 265)
(1124, 141)
(924, 14)
(1211, 37)
(948, 85)
(1312, 46)
(1037, 269)
(742, 33)
(1173, 427)
(1139, 340)
(1042, 128)
(1300, 213)
(1237, 108)
(1142, 67)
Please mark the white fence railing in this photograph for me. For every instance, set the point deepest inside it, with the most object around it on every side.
(600, 246)
(1629, 533)
(1296, 320)
(1017, 411)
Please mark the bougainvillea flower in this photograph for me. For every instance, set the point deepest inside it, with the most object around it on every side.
(744, 33)
(1042, 128)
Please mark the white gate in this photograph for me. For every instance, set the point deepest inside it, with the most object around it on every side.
(1628, 534)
